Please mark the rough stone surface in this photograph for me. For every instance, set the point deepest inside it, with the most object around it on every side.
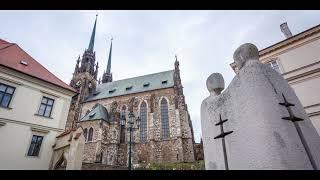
(178, 148)
(198, 150)
(261, 139)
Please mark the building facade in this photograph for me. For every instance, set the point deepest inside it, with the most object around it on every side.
(34, 106)
(297, 59)
(165, 133)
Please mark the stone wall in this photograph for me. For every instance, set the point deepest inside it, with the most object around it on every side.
(155, 149)
(198, 150)
(99, 166)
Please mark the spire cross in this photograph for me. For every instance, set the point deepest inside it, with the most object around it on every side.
(294, 119)
(222, 135)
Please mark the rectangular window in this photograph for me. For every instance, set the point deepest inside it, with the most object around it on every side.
(35, 145)
(46, 107)
(274, 65)
(6, 93)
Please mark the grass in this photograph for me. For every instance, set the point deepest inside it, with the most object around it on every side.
(199, 165)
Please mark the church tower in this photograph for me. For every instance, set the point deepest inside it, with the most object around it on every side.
(107, 75)
(84, 80)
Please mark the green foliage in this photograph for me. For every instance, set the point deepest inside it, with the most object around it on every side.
(199, 165)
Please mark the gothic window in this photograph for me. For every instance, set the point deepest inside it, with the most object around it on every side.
(45, 107)
(85, 132)
(6, 93)
(90, 134)
(123, 111)
(101, 156)
(143, 124)
(164, 119)
(123, 129)
(35, 145)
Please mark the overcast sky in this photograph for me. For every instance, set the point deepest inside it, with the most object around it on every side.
(146, 41)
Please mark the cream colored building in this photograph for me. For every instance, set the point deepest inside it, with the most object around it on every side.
(297, 58)
(34, 105)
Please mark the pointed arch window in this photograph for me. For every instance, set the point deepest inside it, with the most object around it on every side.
(164, 119)
(90, 134)
(85, 133)
(143, 123)
(123, 129)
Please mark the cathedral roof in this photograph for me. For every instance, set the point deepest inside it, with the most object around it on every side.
(14, 57)
(138, 84)
(99, 112)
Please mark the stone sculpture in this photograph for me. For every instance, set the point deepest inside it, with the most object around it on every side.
(257, 122)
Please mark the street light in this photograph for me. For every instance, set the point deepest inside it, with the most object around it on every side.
(132, 124)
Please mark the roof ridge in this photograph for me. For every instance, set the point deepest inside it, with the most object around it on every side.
(3, 41)
(9, 45)
(139, 76)
(70, 88)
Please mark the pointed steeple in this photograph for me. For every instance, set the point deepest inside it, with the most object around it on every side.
(91, 44)
(107, 75)
(109, 59)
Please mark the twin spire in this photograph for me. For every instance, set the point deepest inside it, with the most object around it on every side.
(109, 59)
(107, 76)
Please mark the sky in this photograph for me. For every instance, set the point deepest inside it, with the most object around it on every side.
(146, 42)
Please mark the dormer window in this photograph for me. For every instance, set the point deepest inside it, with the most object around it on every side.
(96, 93)
(24, 62)
(146, 85)
(92, 115)
(164, 82)
(112, 91)
(128, 88)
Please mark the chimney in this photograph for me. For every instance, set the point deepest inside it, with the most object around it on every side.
(285, 30)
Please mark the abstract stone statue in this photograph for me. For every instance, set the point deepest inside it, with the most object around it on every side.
(257, 122)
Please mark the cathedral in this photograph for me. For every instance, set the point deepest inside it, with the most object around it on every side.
(102, 109)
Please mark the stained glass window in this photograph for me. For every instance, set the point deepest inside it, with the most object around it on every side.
(164, 119)
(90, 134)
(143, 123)
(123, 129)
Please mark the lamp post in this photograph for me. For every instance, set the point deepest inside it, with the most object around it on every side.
(132, 124)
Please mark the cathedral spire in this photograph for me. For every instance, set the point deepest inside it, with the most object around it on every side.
(91, 44)
(107, 75)
(109, 59)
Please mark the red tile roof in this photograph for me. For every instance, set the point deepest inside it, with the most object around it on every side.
(11, 56)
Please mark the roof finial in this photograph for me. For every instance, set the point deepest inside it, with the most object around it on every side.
(91, 44)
